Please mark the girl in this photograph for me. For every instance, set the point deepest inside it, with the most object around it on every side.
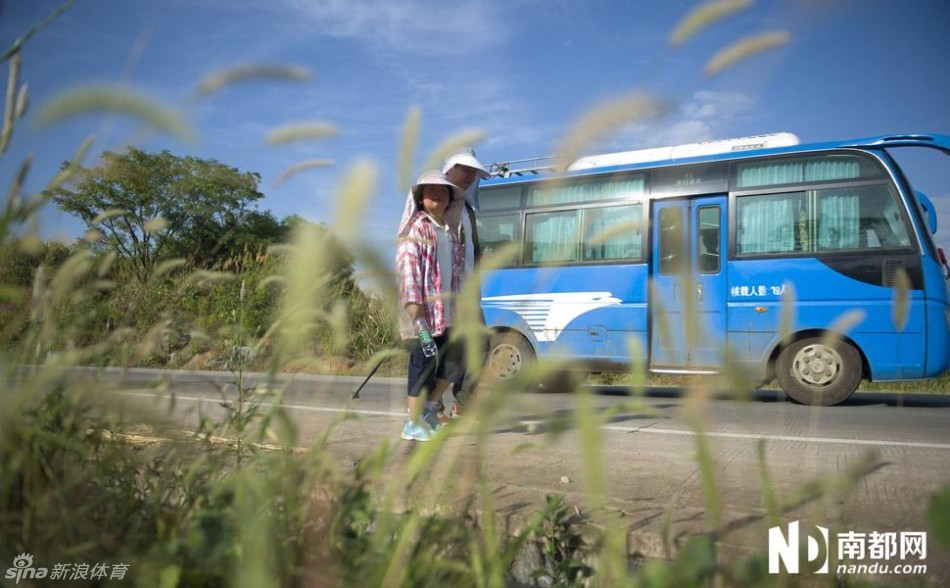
(429, 265)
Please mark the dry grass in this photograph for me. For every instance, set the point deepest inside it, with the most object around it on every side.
(82, 479)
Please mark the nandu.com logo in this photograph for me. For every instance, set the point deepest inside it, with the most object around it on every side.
(23, 569)
(789, 550)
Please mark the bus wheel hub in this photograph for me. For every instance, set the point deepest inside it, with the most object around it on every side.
(505, 361)
(816, 365)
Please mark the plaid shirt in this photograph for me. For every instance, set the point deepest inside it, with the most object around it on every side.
(420, 278)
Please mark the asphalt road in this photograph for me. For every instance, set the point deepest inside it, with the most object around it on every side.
(894, 449)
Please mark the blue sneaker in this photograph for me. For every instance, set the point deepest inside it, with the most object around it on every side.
(432, 419)
(413, 431)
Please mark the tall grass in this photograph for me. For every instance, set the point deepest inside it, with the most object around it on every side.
(236, 500)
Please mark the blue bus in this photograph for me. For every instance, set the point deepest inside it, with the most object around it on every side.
(814, 265)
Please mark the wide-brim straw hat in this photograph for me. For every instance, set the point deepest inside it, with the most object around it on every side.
(438, 179)
(466, 156)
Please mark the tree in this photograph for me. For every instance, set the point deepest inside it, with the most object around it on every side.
(212, 241)
(151, 206)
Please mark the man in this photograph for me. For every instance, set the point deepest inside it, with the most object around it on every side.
(464, 170)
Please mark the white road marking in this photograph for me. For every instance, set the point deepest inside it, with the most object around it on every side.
(875, 442)
(639, 430)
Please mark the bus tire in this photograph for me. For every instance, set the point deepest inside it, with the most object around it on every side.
(508, 353)
(817, 372)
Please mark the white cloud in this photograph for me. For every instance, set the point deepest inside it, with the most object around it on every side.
(688, 131)
(708, 105)
(407, 26)
(706, 115)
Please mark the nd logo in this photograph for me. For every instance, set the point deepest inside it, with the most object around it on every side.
(789, 548)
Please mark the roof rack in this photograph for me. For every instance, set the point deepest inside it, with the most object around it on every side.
(536, 165)
(521, 167)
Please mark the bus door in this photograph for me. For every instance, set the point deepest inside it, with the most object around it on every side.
(688, 297)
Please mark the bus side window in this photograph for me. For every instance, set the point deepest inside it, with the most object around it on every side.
(613, 233)
(671, 241)
(897, 230)
(881, 221)
(845, 218)
(496, 231)
(709, 237)
(552, 237)
(499, 198)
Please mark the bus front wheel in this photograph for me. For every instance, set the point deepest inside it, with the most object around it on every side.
(818, 372)
(508, 354)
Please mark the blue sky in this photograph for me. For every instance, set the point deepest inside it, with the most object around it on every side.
(521, 71)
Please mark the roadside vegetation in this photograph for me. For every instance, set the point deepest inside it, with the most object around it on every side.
(179, 269)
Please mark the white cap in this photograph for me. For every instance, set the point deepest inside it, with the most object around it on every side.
(466, 156)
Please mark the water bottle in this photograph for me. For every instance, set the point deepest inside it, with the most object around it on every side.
(429, 348)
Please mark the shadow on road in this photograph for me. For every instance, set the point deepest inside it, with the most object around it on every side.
(896, 399)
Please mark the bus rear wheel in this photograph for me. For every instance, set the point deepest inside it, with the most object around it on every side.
(815, 372)
(508, 354)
